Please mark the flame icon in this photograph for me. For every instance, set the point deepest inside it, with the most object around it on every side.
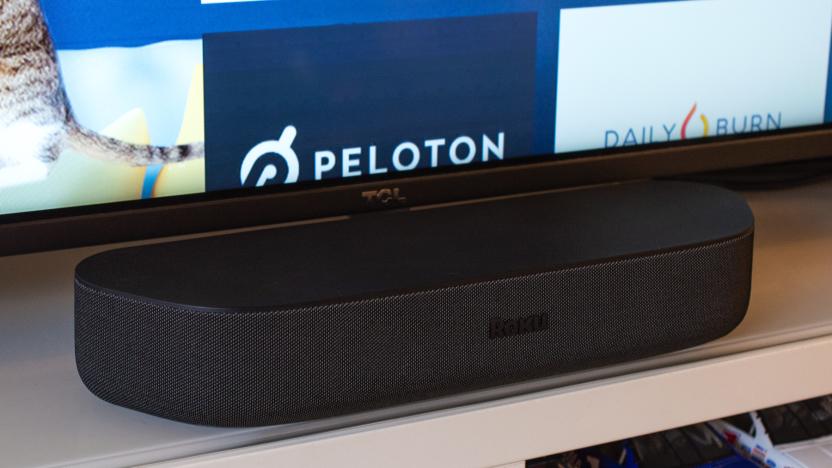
(702, 117)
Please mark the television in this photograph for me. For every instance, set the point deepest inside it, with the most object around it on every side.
(124, 120)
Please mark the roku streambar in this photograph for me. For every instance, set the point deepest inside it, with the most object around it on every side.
(283, 325)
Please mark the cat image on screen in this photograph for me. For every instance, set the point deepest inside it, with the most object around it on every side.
(36, 119)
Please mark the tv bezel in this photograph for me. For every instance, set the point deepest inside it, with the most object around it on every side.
(130, 221)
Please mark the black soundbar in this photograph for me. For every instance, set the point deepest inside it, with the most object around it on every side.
(282, 325)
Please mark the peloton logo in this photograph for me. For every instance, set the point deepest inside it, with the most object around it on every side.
(692, 127)
(261, 165)
(267, 173)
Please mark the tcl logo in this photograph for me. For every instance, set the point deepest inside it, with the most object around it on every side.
(386, 196)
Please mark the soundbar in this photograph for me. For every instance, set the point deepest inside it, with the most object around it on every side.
(290, 324)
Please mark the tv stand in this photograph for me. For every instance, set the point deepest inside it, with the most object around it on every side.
(780, 353)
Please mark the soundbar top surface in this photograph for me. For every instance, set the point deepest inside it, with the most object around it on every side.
(403, 251)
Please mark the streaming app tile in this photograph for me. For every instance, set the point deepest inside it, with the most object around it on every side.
(295, 105)
(651, 73)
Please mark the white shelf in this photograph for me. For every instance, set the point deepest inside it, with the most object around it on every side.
(782, 352)
(558, 420)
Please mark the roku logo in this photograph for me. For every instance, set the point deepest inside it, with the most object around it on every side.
(504, 328)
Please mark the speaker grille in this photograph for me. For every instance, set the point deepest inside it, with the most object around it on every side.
(244, 369)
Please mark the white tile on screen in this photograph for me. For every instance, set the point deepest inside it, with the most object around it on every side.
(624, 70)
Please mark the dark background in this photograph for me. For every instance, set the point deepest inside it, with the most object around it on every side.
(372, 84)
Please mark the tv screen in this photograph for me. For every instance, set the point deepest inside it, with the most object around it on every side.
(108, 105)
